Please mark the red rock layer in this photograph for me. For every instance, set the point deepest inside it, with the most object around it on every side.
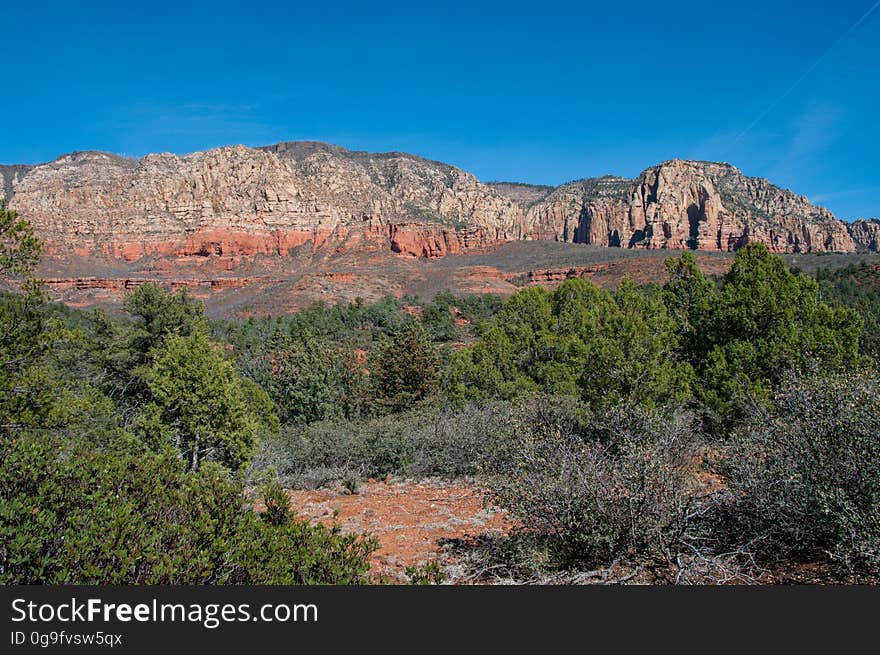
(125, 284)
(240, 202)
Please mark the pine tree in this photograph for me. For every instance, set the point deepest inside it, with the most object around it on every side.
(406, 369)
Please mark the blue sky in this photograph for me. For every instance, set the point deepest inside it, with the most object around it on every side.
(544, 92)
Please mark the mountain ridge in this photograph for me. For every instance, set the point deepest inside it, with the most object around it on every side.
(240, 201)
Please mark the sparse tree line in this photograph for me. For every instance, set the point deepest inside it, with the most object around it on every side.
(702, 430)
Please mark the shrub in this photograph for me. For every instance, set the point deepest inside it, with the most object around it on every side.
(619, 486)
(346, 452)
(804, 475)
(425, 442)
(74, 514)
(430, 573)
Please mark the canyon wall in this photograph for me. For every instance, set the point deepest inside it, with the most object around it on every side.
(866, 233)
(239, 201)
(686, 204)
(246, 201)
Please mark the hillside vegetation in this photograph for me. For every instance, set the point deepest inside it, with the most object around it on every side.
(704, 430)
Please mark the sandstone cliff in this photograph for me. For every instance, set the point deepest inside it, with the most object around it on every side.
(239, 201)
(866, 233)
(686, 204)
(9, 176)
(245, 201)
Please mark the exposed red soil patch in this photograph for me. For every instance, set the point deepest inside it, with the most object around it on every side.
(410, 519)
(652, 269)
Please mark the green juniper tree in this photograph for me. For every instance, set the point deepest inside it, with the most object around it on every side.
(200, 404)
(309, 378)
(28, 391)
(762, 321)
(161, 313)
(577, 341)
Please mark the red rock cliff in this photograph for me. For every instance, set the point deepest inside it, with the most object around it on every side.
(238, 201)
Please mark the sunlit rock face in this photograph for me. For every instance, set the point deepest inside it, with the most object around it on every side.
(244, 201)
(866, 233)
(686, 204)
(239, 202)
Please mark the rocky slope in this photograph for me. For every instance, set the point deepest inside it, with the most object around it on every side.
(686, 204)
(245, 201)
(9, 176)
(866, 233)
(520, 193)
(237, 201)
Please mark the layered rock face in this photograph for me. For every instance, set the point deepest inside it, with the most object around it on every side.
(245, 201)
(239, 201)
(587, 211)
(522, 194)
(866, 233)
(686, 204)
(9, 176)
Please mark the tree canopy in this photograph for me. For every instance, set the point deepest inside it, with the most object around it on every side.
(201, 406)
(762, 320)
(578, 340)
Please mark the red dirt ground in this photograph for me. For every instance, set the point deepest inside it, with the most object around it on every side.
(409, 518)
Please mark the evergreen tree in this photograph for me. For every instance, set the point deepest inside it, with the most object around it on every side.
(161, 313)
(29, 393)
(763, 321)
(200, 405)
(309, 378)
(856, 287)
(19, 248)
(577, 341)
(406, 369)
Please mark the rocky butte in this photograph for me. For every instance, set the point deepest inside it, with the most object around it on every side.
(238, 201)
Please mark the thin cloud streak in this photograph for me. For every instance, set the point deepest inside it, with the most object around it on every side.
(773, 105)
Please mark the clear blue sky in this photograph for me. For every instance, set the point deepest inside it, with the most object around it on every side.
(544, 92)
